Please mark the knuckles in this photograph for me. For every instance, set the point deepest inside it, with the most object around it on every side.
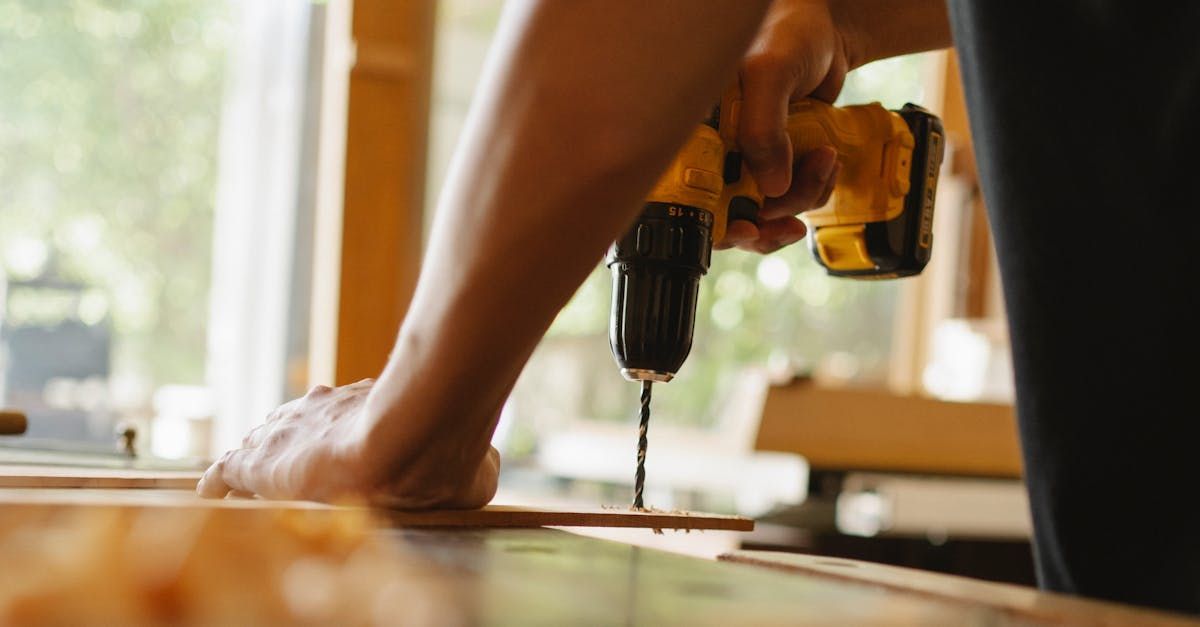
(762, 138)
(767, 66)
(318, 390)
(276, 439)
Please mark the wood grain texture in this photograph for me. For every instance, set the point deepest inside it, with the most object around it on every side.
(74, 477)
(1017, 602)
(498, 516)
(236, 558)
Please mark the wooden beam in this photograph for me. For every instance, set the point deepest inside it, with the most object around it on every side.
(855, 429)
(374, 237)
(386, 138)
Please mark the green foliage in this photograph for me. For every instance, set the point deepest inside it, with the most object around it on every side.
(109, 111)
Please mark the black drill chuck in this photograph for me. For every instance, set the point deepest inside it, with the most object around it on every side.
(656, 268)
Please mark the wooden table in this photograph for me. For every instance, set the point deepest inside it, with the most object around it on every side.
(547, 576)
(551, 577)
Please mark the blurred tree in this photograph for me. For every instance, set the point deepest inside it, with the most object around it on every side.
(109, 112)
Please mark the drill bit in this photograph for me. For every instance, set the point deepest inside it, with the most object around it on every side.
(639, 480)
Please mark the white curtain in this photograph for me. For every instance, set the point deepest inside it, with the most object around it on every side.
(254, 233)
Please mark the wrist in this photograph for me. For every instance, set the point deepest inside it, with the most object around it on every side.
(417, 427)
(851, 30)
(878, 29)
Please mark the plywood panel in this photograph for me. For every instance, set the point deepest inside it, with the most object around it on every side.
(490, 516)
(74, 477)
(517, 516)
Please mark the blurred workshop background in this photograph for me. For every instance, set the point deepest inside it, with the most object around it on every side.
(189, 191)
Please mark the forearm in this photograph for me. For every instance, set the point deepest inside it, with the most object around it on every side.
(583, 104)
(879, 29)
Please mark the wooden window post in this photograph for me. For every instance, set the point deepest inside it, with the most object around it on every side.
(369, 223)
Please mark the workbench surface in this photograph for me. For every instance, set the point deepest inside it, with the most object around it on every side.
(551, 577)
(545, 576)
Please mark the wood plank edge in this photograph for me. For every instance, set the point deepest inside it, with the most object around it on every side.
(550, 518)
(1056, 608)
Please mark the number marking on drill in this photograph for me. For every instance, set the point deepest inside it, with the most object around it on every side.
(931, 177)
(703, 217)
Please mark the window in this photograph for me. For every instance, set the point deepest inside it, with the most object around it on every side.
(148, 154)
(108, 141)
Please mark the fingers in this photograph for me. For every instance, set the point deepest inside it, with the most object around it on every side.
(828, 187)
(255, 437)
(795, 55)
(832, 85)
(767, 84)
(775, 234)
(814, 177)
(228, 474)
(737, 232)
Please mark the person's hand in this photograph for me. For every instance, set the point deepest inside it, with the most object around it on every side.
(314, 448)
(798, 53)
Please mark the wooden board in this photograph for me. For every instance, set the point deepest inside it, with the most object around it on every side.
(12, 422)
(517, 516)
(857, 429)
(249, 564)
(21, 476)
(1025, 604)
(490, 516)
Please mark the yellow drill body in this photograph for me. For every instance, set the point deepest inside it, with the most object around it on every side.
(875, 151)
(877, 224)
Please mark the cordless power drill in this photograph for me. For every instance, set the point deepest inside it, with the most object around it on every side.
(878, 223)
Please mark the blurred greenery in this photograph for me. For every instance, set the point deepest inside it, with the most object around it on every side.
(109, 112)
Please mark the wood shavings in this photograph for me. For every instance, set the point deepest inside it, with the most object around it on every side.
(658, 531)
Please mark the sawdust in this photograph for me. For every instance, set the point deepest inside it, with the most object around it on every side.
(654, 510)
(658, 531)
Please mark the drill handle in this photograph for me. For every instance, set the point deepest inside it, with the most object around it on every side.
(874, 147)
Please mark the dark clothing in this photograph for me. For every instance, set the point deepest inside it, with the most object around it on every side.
(1086, 123)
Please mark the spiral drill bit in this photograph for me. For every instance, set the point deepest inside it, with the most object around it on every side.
(639, 480)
